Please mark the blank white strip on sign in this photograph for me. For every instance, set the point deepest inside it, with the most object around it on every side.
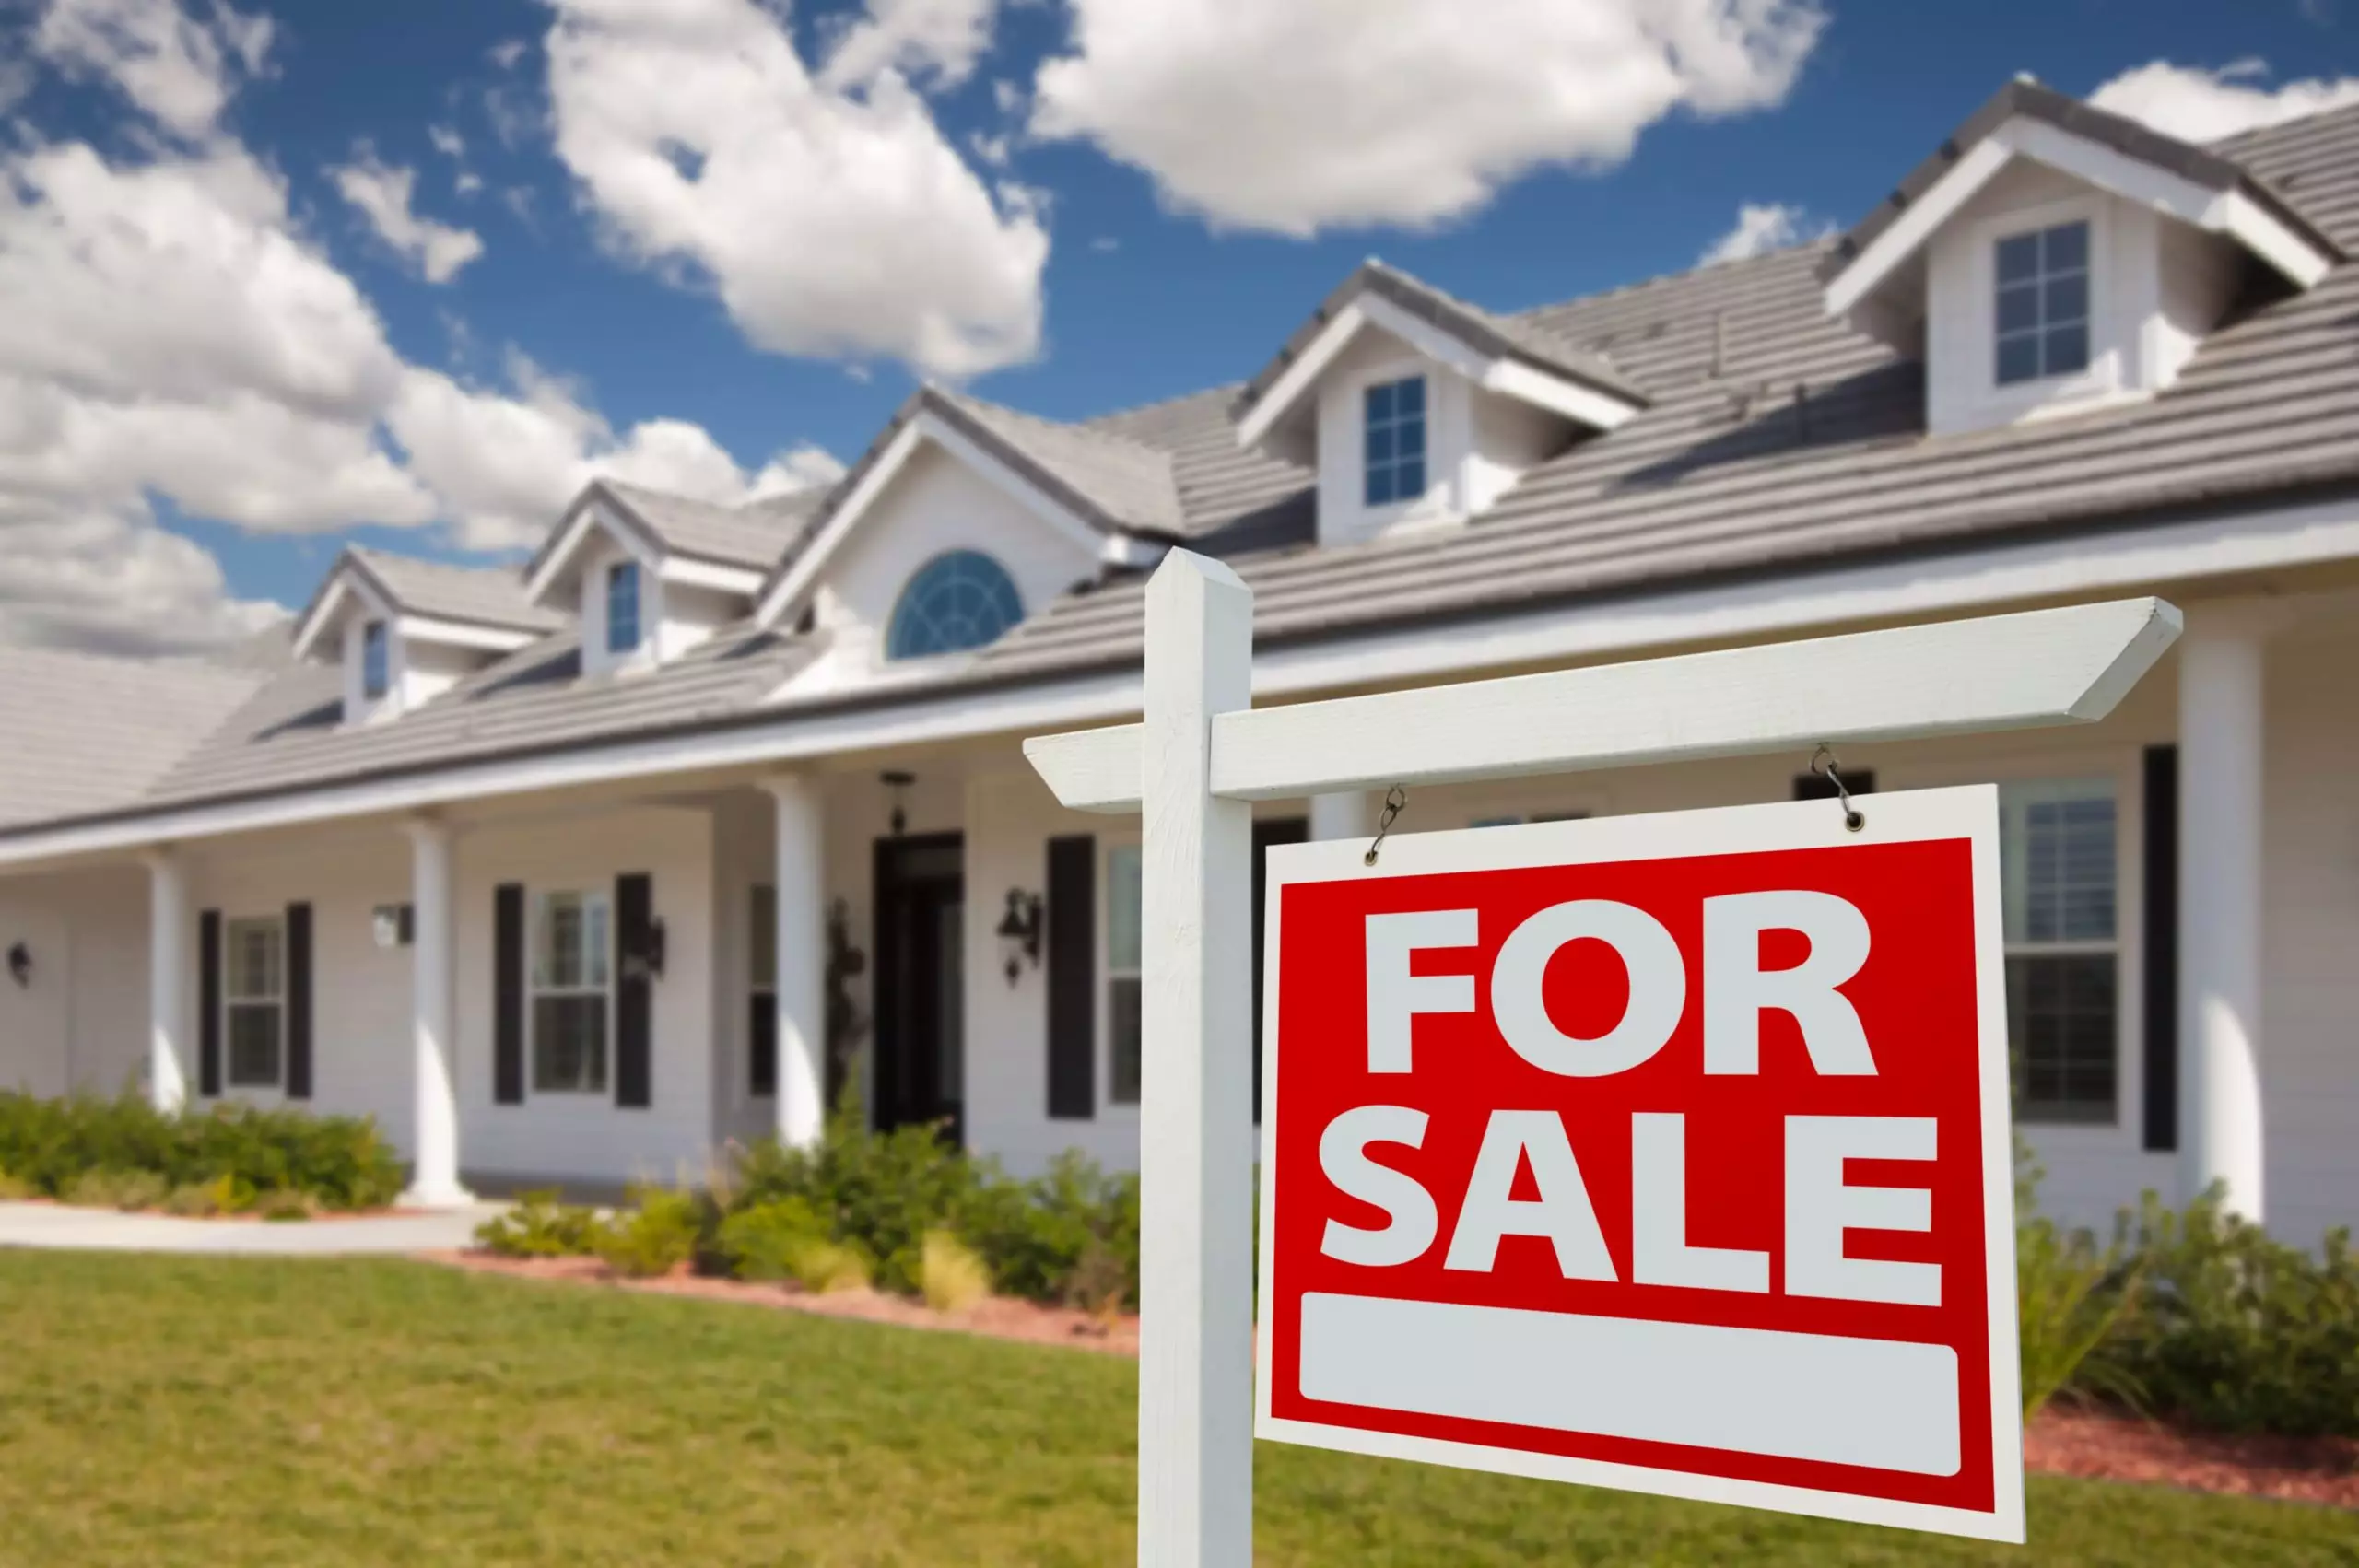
(1887, 1404)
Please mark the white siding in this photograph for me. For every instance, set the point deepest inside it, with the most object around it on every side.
(82, 1022)
(587, 1136)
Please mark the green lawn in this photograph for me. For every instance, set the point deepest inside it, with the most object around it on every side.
(160, 1411)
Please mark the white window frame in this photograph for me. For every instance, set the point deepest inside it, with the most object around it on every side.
(2102, 376)
(233, 1001)
(2124, 765)
(2068, 947)
(1435, 503)
(1426, 393)
(537, 916)
(377, 663)
(1109, 1108)
(609, 573)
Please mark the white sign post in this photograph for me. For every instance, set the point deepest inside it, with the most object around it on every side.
(1203, 752)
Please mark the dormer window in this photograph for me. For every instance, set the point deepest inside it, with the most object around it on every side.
(376, 661)
(622, 607)
(1393, 441)
(959, 600)
(2043, 304)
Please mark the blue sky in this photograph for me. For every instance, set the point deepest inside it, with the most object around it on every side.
(1136, 300)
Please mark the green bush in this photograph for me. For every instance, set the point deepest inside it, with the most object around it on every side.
(537, 1225)
(286, 1204)
(883, 1193)
(767, 1240)
(342, 1161)
(2070, 1298)
(2237, 1331)
(14, 1189)
(106, 1189)
(951, 1275)
(655, 1238)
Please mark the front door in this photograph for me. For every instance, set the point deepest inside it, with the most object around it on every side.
(920, 990)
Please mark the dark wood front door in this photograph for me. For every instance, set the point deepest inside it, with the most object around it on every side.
(921, 992)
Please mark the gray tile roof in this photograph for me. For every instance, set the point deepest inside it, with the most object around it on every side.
(88, 732)
(491, 596)
(2216, 169)
(1775, 440)
(752, 535)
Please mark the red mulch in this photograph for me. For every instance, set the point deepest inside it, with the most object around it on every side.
(2060, 1441)
(2119, 1447)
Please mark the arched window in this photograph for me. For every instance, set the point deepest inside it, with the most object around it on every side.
(960, 599)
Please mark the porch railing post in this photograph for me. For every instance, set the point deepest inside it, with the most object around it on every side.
(1195, 1124)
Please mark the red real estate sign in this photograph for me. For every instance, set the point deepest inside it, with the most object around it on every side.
(1664, 1153)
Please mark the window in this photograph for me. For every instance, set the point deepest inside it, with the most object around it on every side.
(2043, 314)
(253, 959)
(571, 960)
(960, 599)
(622, 607)
(376, 661)
(1123, 917)
(761, 970)
(2057, 860)
(1394, 431)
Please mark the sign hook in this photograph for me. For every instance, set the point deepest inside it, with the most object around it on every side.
(1852, 819)
(1395, 799)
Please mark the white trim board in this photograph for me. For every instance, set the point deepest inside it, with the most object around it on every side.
(2234, 543)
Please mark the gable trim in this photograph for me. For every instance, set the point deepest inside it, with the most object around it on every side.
(348, 581)
(591, 511)
(2231, 211)
(922, 426)
(1496, 373)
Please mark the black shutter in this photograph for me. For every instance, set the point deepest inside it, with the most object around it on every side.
(1274, 830)
(634, 990)
(1073, 976)
(208, 1002)
(2161, 964)
(761, 1045)
(298, 1001)
(508, 994)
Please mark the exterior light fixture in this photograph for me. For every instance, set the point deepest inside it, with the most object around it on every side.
(21, 964)
(1019, 931)
(898, 782)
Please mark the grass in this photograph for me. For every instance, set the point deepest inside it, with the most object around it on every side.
(259, 1412)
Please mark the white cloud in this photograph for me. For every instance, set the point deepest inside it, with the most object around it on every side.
(1761, 228)
(939, 40)
(177, 69)
(2199, 105)
(1315, 113)
(447, 141)
(829, 222)
(381, 193)
(194, 346)
(505, 462)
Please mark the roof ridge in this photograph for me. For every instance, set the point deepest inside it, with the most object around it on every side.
(1076, 427)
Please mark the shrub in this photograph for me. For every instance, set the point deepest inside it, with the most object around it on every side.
(343, 1162)
(950, 1273)
(654, 1238)
(765, 1241)
(823, 1266)
(192, 1200)
(105, 1188)
(14, 1189)
(2240, 1332)
(2070, 1299)
(287, 1204)
(539, 1226)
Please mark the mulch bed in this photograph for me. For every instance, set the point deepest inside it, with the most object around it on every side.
(2100, 1445)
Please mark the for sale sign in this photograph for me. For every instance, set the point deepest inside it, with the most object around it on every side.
(1662, 1152)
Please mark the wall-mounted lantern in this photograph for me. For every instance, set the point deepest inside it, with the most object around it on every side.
(393, 925)
(20, 964)
(898, 783)
(1019, 931)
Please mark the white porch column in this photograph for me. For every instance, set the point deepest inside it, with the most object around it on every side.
(434, 1139)
(2220, 739)
(1348, 814)
(169, 918)
(800, 876)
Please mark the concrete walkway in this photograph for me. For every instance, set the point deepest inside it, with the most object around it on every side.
(104, 1229)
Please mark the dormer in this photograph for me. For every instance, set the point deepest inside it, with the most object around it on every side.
(1417, 410)
(648, 575)
(405, 630)
(960, 519)
(2053, 258)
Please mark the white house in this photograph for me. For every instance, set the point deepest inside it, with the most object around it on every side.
(564, 872)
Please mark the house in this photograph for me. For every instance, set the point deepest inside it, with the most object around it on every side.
(581, 870)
